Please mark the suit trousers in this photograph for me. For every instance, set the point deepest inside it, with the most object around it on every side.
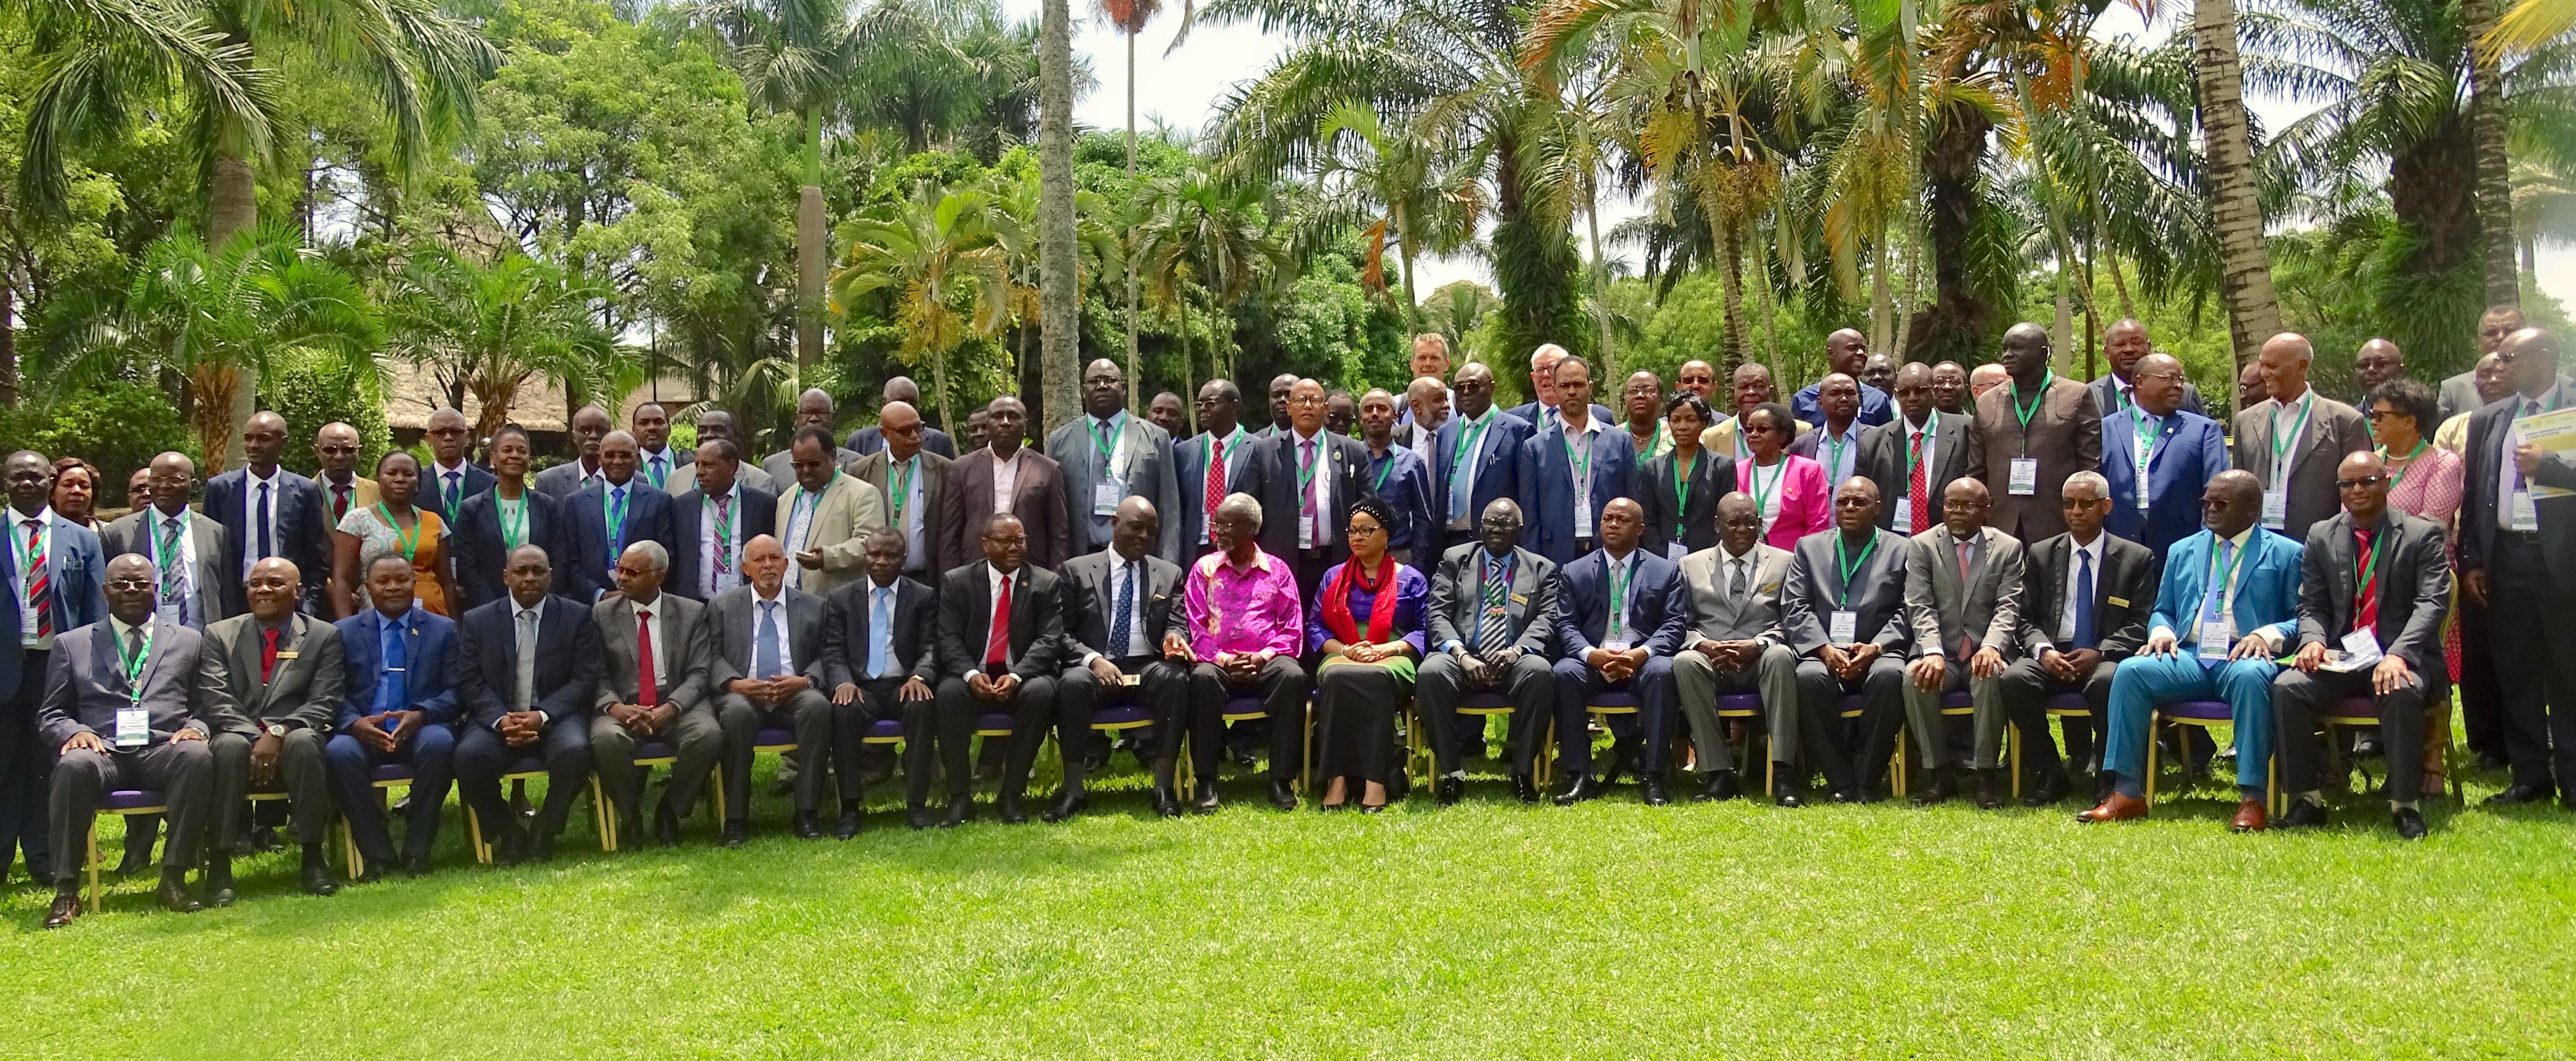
(299, 771)
(2531, 625)
(2026, 689)
(809, 713)
(1281, 686)
(878, 698)
(1031, 707)
(2481, 690)
(1355, 707)
(1162, 687)
(695, 740)
(2297, 700)
(1440, 685)
(1932, 728)
(1819, 722)
(1697, 683)
(1576, 684)
(2146, 681)
(26, 772)
(183, 771)
(430, 751)
(482, 757)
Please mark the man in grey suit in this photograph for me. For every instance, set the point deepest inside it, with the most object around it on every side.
(1117, 619)
(2293, 440)
(1108, 456)
(1963, 585)
(284, 673)
(1736, 645)
(1921, 447)
(2460, 392)
(590, 428)
(1843, 611)
(768, 656)
(813, 409)
(646, 632)
(134, 660)
(1493, 629)
(914, 483)
(187, 550)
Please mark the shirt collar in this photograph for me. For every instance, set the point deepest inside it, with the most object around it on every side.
(1115, 421)
(782, 593)
(1591, 426)
(1750, 551)
(539, 607)
(2093, 550)
(250, 477)
(44, 517)
(2552, 398)
(2242, 539)
(443, 471)
(1260, 561)
(122, 628)
(404, 622)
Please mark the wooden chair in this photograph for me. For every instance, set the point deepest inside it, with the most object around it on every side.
(2059, 705)
(387, 776)
(2209, 714)
(531, 768)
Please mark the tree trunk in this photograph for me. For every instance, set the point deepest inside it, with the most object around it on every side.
(1600, 283)
(1135, 377)
(2245, 263)
(1882, 305)
(8, 344)
(1913, 292)
(1189, 364)
(233, 210)
(1059, 336)
(1731, 274)
(2494, 184)
(1955, 325)
(809, 248)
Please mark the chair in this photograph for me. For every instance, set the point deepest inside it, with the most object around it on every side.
(2058, 705)
(1242, 709)
(125, 802)
(1746, 706)
(1119, 711)
(1953, 704)
(2209, 714)
(648, 754)
(768, 741)
(2363, 711)
(1481, 705)
(1604, 704)
(531, 768)
(388, 776)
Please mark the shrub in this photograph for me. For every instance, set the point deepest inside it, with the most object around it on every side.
(118, 426)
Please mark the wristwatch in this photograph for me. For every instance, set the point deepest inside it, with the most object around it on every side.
(276, 729)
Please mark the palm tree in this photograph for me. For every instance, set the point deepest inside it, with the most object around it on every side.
(486, 331)
(2236, 218)
(1059, 289)
(2495, 179)
(1394, 182)
(946, 255)
(1212, 237)
(1129, 17)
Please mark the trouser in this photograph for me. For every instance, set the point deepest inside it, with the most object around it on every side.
(430, 750)
(2145, 681)
(738, 722)
(1440, 684)
(1931, 727)
(696, 742)
(1577, 683)
(1162, 687)
(299, 771)
(1819, 722)
(2532, 629)
(1281, 685)
(482, 757)
(1697, 684)
(2481, 689)
(1355, 720)
(26, 771)
(1031, 707)
(878, 698)
(183, 771)
(2026, 689)
(2297, 700)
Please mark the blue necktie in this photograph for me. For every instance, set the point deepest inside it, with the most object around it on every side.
(661, 474)
(764, 649)
(880, 630)
(392, 690)
(1120, 628)
(2084, 602)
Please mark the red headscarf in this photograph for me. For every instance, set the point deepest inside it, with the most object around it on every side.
(1337, 601)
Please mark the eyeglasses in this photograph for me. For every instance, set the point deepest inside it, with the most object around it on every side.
(2357, 484)
(1362, 530)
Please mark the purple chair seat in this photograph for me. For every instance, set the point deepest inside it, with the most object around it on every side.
(771, 738)
(2357, 707)
(1958, 700)
(996, 722)
(2201, 710)
(886, 728)
(2068, 702)
(655, 749)
(134, 799)
(1122, 715)
(1246, 705)
(1851, 704)
(526, 764)
(1735, 702)
(1613, 698)
(392, 772)
(1484, 701)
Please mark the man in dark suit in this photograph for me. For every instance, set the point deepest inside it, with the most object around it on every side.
(769, 660)
(590, 428)
(100, 672)
(284, 673)
(2182, 451)
(653, 686)
(1963, 586)
(2294, 440)
(448, 480)
(1493, 628)
(272, 511)
(1000, 628)
(1846, 354)
(1117, 618)
(399, 707)
(878, 640)
(2124, 345)
(1400, 479)
(2460, 393)
(715, 424)
(871, 439)
(1835, 442)
(813, 409)
(57, 572)
(1736, 644)
(2372, 580)
(1843, 611)
(2518, 559)
(1036, 493)
(607, 516)
(655, 457)
(189, 553)
(508, 515)
(1221, 440)
(2034, 430)
(2083, 609)
(1308, 480)
(1167, 412)
(712, 521)
(1108, 456)
(1916, 456)
(1571, 468)
(1475, 456)
(530, 664)
(914, 483)
(1623, 612)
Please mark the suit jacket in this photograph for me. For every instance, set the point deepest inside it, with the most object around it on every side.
(567, 667)
(2334, 430)
(13, 654)
(966, 620)
(683, 651)
(744, 472)
(1530, 606)
(1190, 467)
(303, 535)
(482, 553)
(76, 566)
(674, 457)
(2109, 401)
(218, 586)
(2124, 594)
(781, 468)
(2460, 393)
(1037, 497)
(2482, 483)
(2267, 586)
(648, 516)
(1403, 483)
(1340, 463)
(844, 512)
(1876, 407)
(2065, 436)
(1955, 456)
(2414, 576)
(755, 512)
(1546, 477)
(305, 688)
(476, 479)
(847, 616)
(1716, 617)
(1142, 463)
(1951, 615)
(1529, 413)
(1668, 521)
(1815, 590)
(870, 439)
(733, 617)
(1658, 611)
(363, 493)
(2186, 453)
(430, 671)
(183, 685)
(1495, 473)
(875, 470)
(1810, 441)
(1806, 499)
(1090, 587)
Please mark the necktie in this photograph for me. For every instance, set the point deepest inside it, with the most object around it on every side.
(1618, 606)
(764, 647)
(616, 523)
(1121, 626)
(40, 586)
(723, 542)
(1735, 585)
(527, 658)
(267, 655)
(661, 472)
(174, 585)
(266, 549)
(880, 631)
(2217, 582)
(451, 501)
(1967, 641)
(646, 691)
(2084, 636)
(1306, 489)
(1918, 494)
(133, 648)
(1492, 626)
(339, 504)
(392, 693)
(997, 634)
(1215, 490)
(2365, 609)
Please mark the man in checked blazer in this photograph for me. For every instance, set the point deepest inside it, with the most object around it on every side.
(1735, 644)
(1963, 586)
(1514, 659)
(676, 712)
(285, 672)
(2072, 642)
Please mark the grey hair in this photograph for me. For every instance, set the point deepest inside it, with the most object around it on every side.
(1243, 505)
(653, 553)
(2101, 486)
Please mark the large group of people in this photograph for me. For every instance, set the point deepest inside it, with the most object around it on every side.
(1904, 570)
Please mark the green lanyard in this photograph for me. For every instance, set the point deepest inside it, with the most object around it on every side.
(1468, 433)
(1913, 453)
(2146, 437)
(411, 541)
(1762, 497)
(2227, 587)
(1106, 444)
(1306, 465)
(903, 488)
(514, 519)
(807, 500)
(1681, 492)
(2047, 378)
(1851, 565)
(1582, 469)
(2399, 475)
(134, 665)
(1385, 464)
(724, 526)
(1835, 468)
(2281, 444)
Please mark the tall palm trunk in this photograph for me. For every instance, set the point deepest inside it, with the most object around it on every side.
(809, 247)
(1600, 282)
(1882, 304)
(1135, 378)
(1731, 272)
(232, 209)
(2494, 184)
(1059, 337)
(2245, 264)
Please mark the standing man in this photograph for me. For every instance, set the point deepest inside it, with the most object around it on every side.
(1914, 458)
(1950, 389)
(1310, 479)
(1430, 361)
(450, 479)
(1879, 372)
(2156, 455)
(814, 408)
(1006, 476)
(2460, 393)
(398, 707)
(2124, 345)
(657, 460)
(606, 516)
(1963, 592)
(1117, 617)
(1279, 417)
(877, 637)
(2518, 561)
(529, 665)
(1244, 633)
(653, 686)
(1986, 377)
(2034, 434)
(1107, 457)
(913, 483)
(271, 511)
(2293, 442)
(1752, 389)
(1836, 442)
(335, 447)
(590, 428)
(189, 554)
(1000, 623)
(901, 390)
(769, 652)
(1700, 378)
(1167, 412)
(283, 672)
(2377, 362)
(715, 517)
(1399, 478)
(1736, 644)
(827, 516)
(1217, 462)
(1623, 613)
(1847, 355)
(1425, 408)
(1493, 628)
(1475, 456)
(2494, 381)
(1546, 402)
(715, 424)
(57, 574)
(2250, 387)
(2083, 610)
(1842, 610)
(1572, 467)
(1341, 411)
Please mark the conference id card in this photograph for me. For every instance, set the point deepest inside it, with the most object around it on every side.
(1904, 514)
(1104, 499)
(2276, 509)
(2526, 514)
(2362, 644)
(1843, 628)
(1615, 645)
(133, 727)
(1305, 532)
(2025, 477)
(1675, 551)
(2142, 493)
(2216, 638)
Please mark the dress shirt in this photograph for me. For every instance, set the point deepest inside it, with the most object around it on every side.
(1839, 458)
(275, 484)
(527, 625)
(1426, 443)
(445, 482)
(155, 525)
(2509, 477)
(389, 644)
(905, 478)
(338, 496)
(1736, 567)
(2293, 418)
(1006, 478)
(1928, 436)
(881, 605)
(1249, 608)
(657, 476)
(1136, 644)
(122, 631)
(2226, 593)
(786, 658)
(1302, 448)
(2066, 608)
(650, 614)
(1580, 442)
(20, 533)
(1109, 471)
(712, 581)
(1619, 576)
(1463, 473)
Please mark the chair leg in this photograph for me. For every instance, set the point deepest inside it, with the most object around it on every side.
(2012, 744)
(1182, 779)
(474, 836)
(601, 818)
(92, 866)
(2151, 761)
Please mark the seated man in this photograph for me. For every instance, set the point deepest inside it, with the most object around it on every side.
(529, 664)
(999, 628)
(2227, 605)
(1622, 615)
(2373, 581)
(878, 639)
(399, 707)
(283, 672)
(1117, 618)
(114, 735)
(1843, 610)
(1247, 624)
(2084, 609)
(652, 686)
(1963, 585)
(1736, 645)
(1503, 598)
(768, 649)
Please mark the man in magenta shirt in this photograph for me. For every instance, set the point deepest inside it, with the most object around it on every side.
(1245, 616)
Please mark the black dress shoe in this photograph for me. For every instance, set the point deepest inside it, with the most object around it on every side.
(133, 863)
(317, 873)
(416, 866)
(173, 895)
(2052, 788)
(541, 848)
(1578, 787)
(1720, 785)
(66, 907)
(1283, 795)
(1650, 788)
(374, 873)
(1850, 795)
(511, 847)
(1095, 761)
(1447, 791)
(1937, 789)
(1207, 800)
(666, 826)
(1167, 803)
(2409, 823)
(1524, 789)
(2514, 794)
(809, 825)
(960, 811)
(1784, 793)
(630, 828)
(1065, 806)
(219, 882)
(918, 818)
(264, 840)
(2302, 815)
(848, 826)
(735, 833)
(1011, 812)
(1990, 790)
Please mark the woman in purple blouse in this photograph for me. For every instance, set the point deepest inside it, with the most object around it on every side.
(1364, 622)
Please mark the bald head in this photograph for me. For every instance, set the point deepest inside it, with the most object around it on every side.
(2232, 502)
(2377, 362)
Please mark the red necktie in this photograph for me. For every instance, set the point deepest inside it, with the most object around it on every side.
(1215, 491)
(997, 639)
(645, 694)
(267, 655)
(1918, 499)
(40, 586)
(339, 504)
(2365, 610)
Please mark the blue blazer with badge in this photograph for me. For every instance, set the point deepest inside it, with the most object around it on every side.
(77, 567)
(1658, 603)
(1546, 478)
(1400, 480)
(2187, 453)
(429, 675)
(1496, 472)
(648, 515)
(2267, 586)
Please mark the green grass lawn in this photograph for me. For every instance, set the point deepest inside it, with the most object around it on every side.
(1487, 929)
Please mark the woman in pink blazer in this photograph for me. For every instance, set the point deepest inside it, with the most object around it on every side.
(1791, 491)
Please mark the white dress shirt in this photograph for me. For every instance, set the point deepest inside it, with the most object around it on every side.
(2226, 594)
(1006, 479)
(251, 483)
(1120, 569)
(2066, 608)
(156, 523)
(711, 581)
(2291, 417)
(1581, 442)
(650, 614)
(1321, 486)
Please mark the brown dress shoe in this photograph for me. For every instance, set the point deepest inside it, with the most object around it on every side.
(66, 907)
(2116, 807)
(2249, 817)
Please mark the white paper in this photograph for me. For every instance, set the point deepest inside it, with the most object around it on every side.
(1675, 551)
(2361, 648)
(2025, 477)
(1904, 522)
(2276, 509)
(133, 727)
(1305, 532)
(2217, 638)
(2553, 432)
(1843, 628)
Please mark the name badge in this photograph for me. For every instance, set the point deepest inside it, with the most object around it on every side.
(1618, 645)
(2117, 602)
(288, 654)
(1843, 628)
(133, 727)
(2142, 493)
(1104, 499)
(2363, 644)
(1904, 514)
(1676, 550)
(2025, 477)
(2276, 509)
(1520, 598)
(1305, 532)
(2216, 638)
(2526, 516)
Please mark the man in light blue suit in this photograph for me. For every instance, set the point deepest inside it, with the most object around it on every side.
(1474, 456)
(71, 595)
(2228, 605)
(1572, 466)
(2184, 451)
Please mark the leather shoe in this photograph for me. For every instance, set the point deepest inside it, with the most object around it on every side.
(960, 811)
(1011, 812)
(317, 874)
(1207, 801)
(1447, 791)
(416, 866)
(1067, 805)
(1938, 789)
(809, 825)
(666, 826)
(2514, 794)
(1784, 793)
(264, 840)
(219, 882)
(373, 874)
(1283, 795)
(848, 826)
(1990, 793)
(1167, 803)
(2052, 787)
(134, 862)
(174, 897)
(511, 847)
(542, 848)
(1650, 788)
(1578, 788)
(1524, 789)
(66, 907)
(1720, 785)
(1844, 795)
(735, 833)
(2303, 815)
(2116, 807)
(917, 817)
(2249, 817)
(2409, 823)
(630, 828)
